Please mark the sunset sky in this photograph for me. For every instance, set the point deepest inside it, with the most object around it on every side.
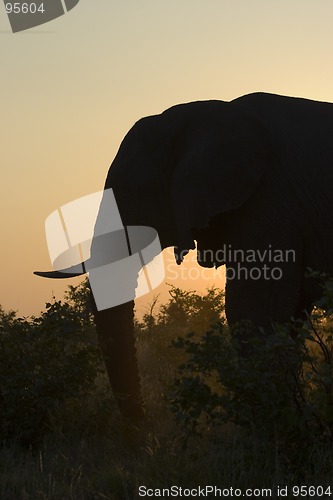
(72, 88)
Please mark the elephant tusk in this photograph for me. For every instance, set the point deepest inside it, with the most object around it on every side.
(56, 274)
(70, 272)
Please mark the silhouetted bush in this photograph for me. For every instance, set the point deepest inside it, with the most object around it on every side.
(184, 311)
(45, 362)
(282, 389)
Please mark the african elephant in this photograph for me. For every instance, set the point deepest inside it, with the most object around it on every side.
(251, 181)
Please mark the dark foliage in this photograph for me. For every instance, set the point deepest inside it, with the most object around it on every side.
(45, 362)
(281, 389)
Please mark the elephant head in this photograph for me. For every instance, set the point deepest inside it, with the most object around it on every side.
(176, 172)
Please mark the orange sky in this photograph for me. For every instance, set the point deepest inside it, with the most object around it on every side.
(72, 88)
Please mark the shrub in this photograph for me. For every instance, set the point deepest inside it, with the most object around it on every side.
(46, 362)
(185, 310)
(282, 389)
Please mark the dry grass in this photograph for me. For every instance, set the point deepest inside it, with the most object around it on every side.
(110, 461)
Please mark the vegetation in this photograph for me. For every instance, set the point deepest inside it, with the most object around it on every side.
(220, 411)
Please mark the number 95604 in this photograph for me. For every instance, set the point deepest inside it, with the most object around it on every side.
(24, 8)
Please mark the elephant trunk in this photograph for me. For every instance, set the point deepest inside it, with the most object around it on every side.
(115, 329)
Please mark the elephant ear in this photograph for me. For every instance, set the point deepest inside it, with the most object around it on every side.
(219, 167)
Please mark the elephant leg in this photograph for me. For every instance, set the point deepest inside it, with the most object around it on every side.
(115, 329)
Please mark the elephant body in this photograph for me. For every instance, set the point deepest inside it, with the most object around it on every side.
(285, 204)
(254, 175)
(292, 206)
